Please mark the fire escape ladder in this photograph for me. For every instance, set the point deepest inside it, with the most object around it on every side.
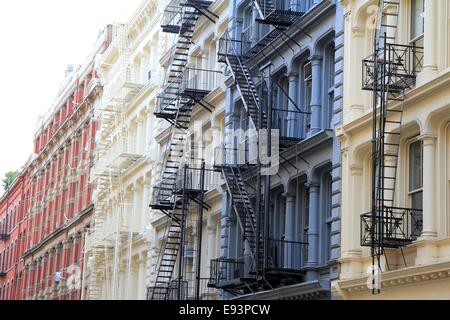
(389, 72)
(243, 208)
(163, 193)
(243, 79)
(176, 106)
(170, 249)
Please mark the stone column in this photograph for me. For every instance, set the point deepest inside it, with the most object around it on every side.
(141, 289)
(133, 209)
(149, 140)
(140, 141)
(430, 39)
(290, 250)
(293, 125)
(429, 187)
(316, 96)
(313, 232)
(145, 213)
(212, 245)
(356, 209)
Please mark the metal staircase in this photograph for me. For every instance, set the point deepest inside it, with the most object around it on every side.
(230, 53)
(278, 17)
(180, 18)
(170, 249)
(389, 72)
(175, 105)
(240, 200)
(163, 193)
(276, 12)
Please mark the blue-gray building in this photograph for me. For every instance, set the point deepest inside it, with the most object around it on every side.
(281, 230)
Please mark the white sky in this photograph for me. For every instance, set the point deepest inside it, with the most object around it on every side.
(38, 39)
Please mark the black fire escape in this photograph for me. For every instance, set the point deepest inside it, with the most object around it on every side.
(4, 233)
(181, 184)
(263, 263)
(4, 236)
(389, 73)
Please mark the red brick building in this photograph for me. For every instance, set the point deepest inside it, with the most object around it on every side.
(13, 224)
(48, 210)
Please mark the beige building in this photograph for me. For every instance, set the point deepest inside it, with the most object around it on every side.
(413, 234)
(193, 84)
(126, 157)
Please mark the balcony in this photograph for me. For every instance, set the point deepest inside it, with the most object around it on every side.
(289, 123)
(397, 66)
(230, 274)
(121, 90)
(122, 221)
(193, 183)
(285, 261)
(185, 290)
(391, 227)
(123, 154)
(193, 85)
(163, 195)
(278, 12)
(172, 17)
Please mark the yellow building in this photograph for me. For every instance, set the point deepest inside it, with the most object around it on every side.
(408, 223)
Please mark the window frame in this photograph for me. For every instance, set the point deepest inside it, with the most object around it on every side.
(415, 39)
(410, 193)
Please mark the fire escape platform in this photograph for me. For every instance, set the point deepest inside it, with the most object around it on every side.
(303, 291)
(283, 18)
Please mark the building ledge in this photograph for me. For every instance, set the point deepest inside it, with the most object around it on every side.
(59, 230)
(302, 291)
(309, 144)
(398, 278)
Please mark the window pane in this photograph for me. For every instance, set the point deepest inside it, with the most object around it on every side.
(417, 216)
(417, 200)
(417, 19)
(415, 166)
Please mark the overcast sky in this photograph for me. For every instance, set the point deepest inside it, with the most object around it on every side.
(38, 40)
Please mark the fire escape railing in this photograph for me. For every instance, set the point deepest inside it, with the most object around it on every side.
(389, 73)
(185, 88)
(287, 255)
(395, 227)
(403, 64)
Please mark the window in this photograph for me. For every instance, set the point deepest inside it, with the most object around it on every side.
(330, 57)
(305, 223)
(327, 217)
(417, 22)
(307, 78)
(415, 187)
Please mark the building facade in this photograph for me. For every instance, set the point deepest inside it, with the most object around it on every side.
(281, 67)
(406, 231)
(187, 198)
(126, 157)
(58, 205)
(280, 235)
(13, 232)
